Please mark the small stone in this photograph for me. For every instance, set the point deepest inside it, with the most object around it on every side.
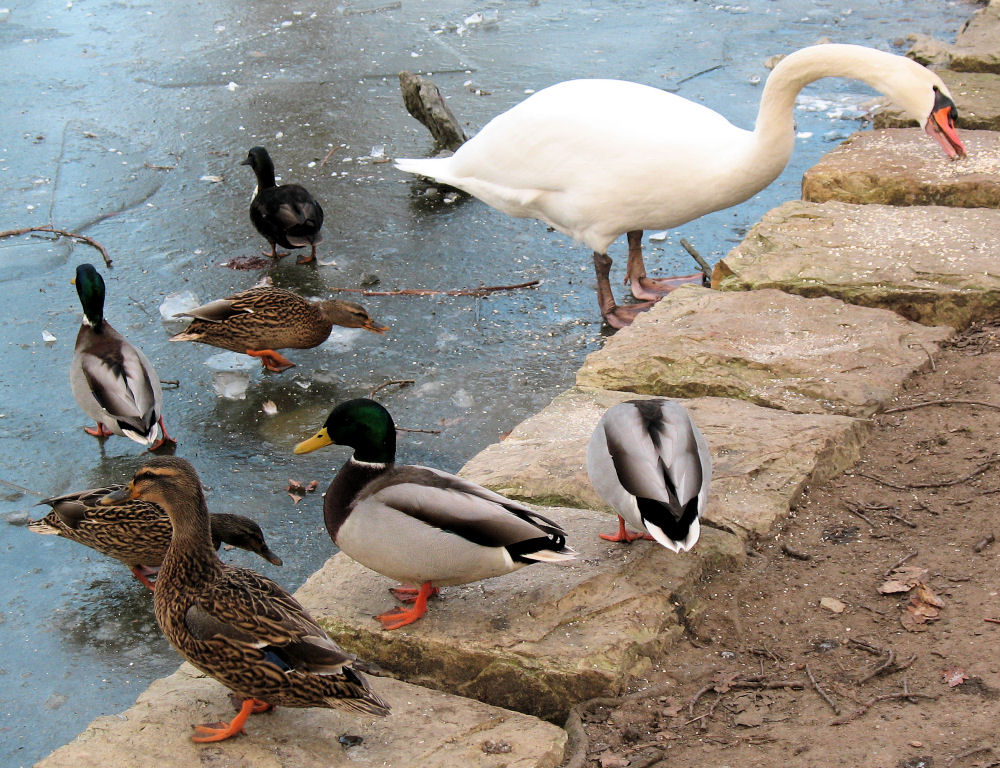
(832, 604)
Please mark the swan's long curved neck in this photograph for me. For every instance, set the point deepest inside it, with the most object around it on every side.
(774, 131)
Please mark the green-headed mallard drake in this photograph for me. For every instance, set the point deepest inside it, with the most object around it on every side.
(650, 462)
(419, 525)
(285, 215)
(137, 532)
(233, 624)
(113, 382)
(596, 159)
(261, 320)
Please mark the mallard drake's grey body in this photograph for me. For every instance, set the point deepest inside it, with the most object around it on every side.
(649, 461)
(259, 321)
(112, 381)
(285, 215)
(137, 532)
(419, 525)
(233, 624)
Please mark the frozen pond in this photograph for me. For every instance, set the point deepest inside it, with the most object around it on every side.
(127, 121)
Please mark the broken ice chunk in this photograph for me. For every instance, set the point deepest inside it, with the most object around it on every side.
(173, 305)
(48, 338)
(231, 374)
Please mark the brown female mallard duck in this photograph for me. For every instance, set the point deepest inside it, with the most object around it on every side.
(137, 532)
(285, 215)
(260, 320)
(419, 525)
(113, 382)
(233, 624)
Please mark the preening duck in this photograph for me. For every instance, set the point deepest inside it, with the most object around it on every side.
(285, 215)
(112, 381)
(261, 320)
(137, 532)
(596, 159)
(233, 624)
(649, 461)
(418, 525)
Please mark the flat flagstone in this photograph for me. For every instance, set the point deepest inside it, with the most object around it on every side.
(426, 729)
(935, 265)
(766, 346)
(762, 457)
(903, 166)
(537, 640)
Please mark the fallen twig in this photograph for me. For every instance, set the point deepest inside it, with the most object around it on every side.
(21, 488)
(64, 233)
(904, 559)
(902, 519)
(855, 511)
(875, 700)
(941, 484)
(983, 543)
(706, 269)
(889, 660)
(991, 621)
(417, 429)
(966, 753)
(170, 383)
(328, 155)
(795, 553)
(430, 292)
(940, 402)
(384, 384)
(823, 695)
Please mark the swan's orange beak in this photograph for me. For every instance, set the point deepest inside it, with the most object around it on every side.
(941, 125)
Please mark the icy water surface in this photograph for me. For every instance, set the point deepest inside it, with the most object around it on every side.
(127, 121)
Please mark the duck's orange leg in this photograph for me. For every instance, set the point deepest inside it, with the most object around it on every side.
(303, 259)
(99, 431)
(407, 594)
(142, 574)
(165, 439)
(400, 617)
(624, 534)
(271, 359)
(222, 731)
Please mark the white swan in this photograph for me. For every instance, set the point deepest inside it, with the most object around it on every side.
(598, 158)
(649, 461)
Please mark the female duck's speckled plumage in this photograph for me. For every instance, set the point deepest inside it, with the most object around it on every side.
(650, 462)
(233, 624)
(419, 525)
(137, 532)
(112, 381)
(285, 215)
(267, 318)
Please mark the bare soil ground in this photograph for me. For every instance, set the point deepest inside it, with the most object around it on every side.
(798, 658)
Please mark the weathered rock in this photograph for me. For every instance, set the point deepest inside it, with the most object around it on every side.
(156, 731)
(977, 44)
(933, 265)
(765, 346)
(977, 96)
(929, 51)
(543, 458)
(537, 640)
(424, 101)
(897, 166)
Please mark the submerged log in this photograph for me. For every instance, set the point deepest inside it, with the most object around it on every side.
(424, 101)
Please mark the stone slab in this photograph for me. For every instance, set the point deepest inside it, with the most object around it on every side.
(766, 346)
(934, 265)
(976, 94)
(537, 640)
(762, 457)
(903, 166)
(977, 44)
(427, 729)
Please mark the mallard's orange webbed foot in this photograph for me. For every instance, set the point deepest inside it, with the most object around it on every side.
(271, 359)
(407, 594)
(100, 431)
(142, 573)
(165, 439)
(310, 259)
(400, 617)
(624, 534)
(221, 731)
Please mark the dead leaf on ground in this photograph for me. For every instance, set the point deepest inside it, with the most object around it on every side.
(954, 676)
(725, 681)
(924, 606)
(903, 579)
